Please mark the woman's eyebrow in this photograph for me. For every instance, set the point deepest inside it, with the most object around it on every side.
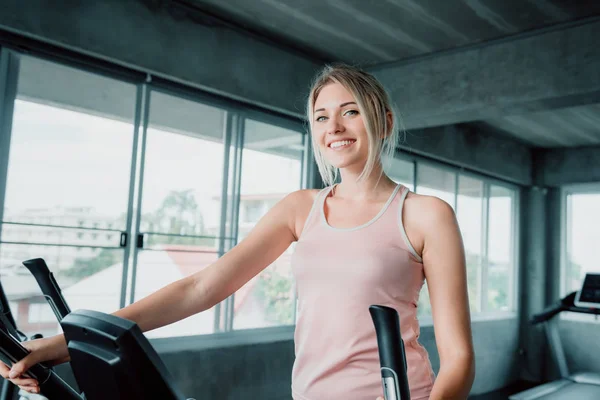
(341, 105)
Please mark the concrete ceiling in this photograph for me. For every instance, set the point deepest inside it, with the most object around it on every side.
(567, 127)
(373, 33)
(369, 32)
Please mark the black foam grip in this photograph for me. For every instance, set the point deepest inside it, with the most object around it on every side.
(391, 347)
(49, 286)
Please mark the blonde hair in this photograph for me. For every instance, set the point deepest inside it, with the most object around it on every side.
(373, 104)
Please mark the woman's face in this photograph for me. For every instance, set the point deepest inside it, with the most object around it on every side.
(338, 128)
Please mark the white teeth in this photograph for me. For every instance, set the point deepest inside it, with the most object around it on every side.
(340, 143)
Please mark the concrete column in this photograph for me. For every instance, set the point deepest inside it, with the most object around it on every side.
(533, 281)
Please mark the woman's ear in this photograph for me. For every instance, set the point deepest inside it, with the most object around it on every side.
(390, 120)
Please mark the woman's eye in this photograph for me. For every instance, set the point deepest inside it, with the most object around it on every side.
(320, 119)
(351, 112)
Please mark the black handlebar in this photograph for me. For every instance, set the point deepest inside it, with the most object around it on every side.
(392, 356)
(49, 286)
(6, 318)
(567, 303)
(51, 385)
(5, 308)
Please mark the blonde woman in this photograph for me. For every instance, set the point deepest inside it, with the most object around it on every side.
(363, 241)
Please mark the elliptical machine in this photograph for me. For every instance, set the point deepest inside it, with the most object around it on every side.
(111, 358)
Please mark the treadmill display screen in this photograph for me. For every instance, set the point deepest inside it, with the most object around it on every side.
(590, 291)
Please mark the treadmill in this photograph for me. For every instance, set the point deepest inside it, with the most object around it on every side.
(581, 385)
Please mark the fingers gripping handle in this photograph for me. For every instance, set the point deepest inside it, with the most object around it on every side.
(391, 353)
(51, 385)
(51, 290)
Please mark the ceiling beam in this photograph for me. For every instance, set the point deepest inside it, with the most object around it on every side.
(553, 68)
(474, 147)
(563, 166)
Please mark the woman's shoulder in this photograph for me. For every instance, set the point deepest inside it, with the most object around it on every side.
(423, 214)
(300, 203)
(427, 207)
(303, 197)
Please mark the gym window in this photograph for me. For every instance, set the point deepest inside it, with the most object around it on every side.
(580, 232)
(95, 157)
(486, 210)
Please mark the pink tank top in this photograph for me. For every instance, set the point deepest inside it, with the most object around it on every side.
(339, 273)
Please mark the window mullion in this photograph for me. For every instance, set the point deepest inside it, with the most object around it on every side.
(238, 147)
(9, 72)
(485, 247)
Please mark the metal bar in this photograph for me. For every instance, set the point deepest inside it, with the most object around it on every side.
(182, 251)
(82, 246)
(231, 200)
(485, 247)
(513, 279)
(565, 240)
(9, 74)
(139, 99)
(227, 130)
(415, 175)
(61, 227)
(456, 189)
(556, 346)
(235, 205)
(138, 216)
(307, 182)
(186, 236)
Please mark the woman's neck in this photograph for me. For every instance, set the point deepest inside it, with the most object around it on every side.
(373, 186)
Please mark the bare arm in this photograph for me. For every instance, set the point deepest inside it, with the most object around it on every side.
(199, 292)
(445, 271)
(272, 235)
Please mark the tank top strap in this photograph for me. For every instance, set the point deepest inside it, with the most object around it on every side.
(313, 215)
(401, 197)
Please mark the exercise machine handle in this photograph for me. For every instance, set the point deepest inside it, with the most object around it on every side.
(51, 385)
(6, 318)
(567, 303)
(49, 286)
(5, 308)
(392, 356)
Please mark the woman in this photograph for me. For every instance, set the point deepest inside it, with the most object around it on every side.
(363, 241)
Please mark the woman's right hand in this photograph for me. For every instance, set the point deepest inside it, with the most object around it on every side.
(51, 351)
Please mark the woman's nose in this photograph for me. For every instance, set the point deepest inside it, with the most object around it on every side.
(334, 125)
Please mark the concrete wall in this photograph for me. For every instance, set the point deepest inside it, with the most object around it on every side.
(568, 165)
(176, 45)
(263, 371)
(476, 148)
(257, 371)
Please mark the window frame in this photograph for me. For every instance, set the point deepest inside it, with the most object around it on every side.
(239, 111)
(236, 113)
(565, 192)
(417, 160)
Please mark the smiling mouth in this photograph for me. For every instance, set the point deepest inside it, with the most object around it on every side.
(341, 144)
